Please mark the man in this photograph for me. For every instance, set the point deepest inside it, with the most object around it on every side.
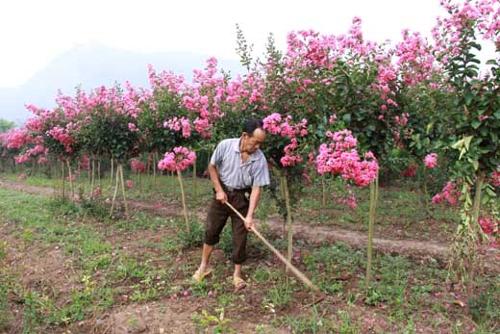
(237, 168)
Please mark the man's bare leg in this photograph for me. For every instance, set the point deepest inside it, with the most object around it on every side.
(205, 257)
(237, 270)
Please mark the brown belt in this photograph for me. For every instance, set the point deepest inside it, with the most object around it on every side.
(234, 190)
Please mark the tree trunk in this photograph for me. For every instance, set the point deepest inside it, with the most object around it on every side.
(71, 189)
(288, 221)
(63, 180)
(475, 230)
(371, 223)
(112, 169)
(183, 197)
(120, 170)
(114, 195)
(195, 192)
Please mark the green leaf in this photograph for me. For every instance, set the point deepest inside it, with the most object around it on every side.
(468, 98)
(491, 193)
(429, 128)
(462, 152)
(346, 118)
(467, 141)
(458, 144)
(475, 164)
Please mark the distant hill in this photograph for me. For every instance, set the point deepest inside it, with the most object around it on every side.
(94, 65)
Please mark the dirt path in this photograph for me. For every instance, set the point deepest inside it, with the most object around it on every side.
(315, 234)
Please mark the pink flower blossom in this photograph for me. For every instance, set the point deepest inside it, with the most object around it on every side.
(132, 127)
(449, 193)
(16, 138)
(129, 184)
(85, 162)
(63, 137)
(96, 192)
(410, 171)
(340, 157)
(291, 158)
(137, 166)
(181, 124)
(495, 178)
(178, 160)
(430, 160)
(488, 225)
(332, 119)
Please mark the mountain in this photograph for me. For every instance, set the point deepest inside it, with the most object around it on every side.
(91, 66)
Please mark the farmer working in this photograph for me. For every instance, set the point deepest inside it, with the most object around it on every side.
(238, 169)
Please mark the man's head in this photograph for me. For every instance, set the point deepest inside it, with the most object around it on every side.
(253, 136)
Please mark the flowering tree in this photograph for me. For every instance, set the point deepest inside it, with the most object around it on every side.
(473, 145)
(109, 127)
(340, 157)
(178, 160)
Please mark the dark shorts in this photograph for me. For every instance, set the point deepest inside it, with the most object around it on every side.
(217, 218)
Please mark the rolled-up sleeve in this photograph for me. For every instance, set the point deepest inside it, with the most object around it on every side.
(261, 174)
(216, 158)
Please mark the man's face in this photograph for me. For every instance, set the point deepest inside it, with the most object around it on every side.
(251, 143)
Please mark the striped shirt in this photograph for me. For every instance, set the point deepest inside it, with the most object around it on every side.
(235, 173)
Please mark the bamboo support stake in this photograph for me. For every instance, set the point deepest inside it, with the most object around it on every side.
(63, 180)
(183, 197)
(114, 195)
(112, 170)
(288, 222)
(120, 170)
(72, 191)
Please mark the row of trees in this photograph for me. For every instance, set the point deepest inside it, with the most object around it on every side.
(323, 101)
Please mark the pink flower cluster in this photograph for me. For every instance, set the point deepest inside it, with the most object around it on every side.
(178, 160)
(350, 200)
(177, 124)
(132, 127)
(249, 90)
(415, 58)
(63, 137)
(205, 97)
(276, 125)
(480, 14)
(340, 157)
(137, 166)
(203, 127)
(96, 192)
(165, 81)
(449, 193)
(410, 171)
(495, 178)
(430, 160)
(16, 138)
(488, 224)
(402, 120)
(85, 162)
(307, 48)
(290, 158)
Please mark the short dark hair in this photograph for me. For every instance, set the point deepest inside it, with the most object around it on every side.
(251, 124)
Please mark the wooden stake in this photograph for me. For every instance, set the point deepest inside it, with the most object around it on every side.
(114, 195)
(183, 197)
(120, 170)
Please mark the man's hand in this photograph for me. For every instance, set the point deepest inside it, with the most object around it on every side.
(221, 196)
(249, 224)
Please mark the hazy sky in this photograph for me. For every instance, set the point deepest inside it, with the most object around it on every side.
(33, 32)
